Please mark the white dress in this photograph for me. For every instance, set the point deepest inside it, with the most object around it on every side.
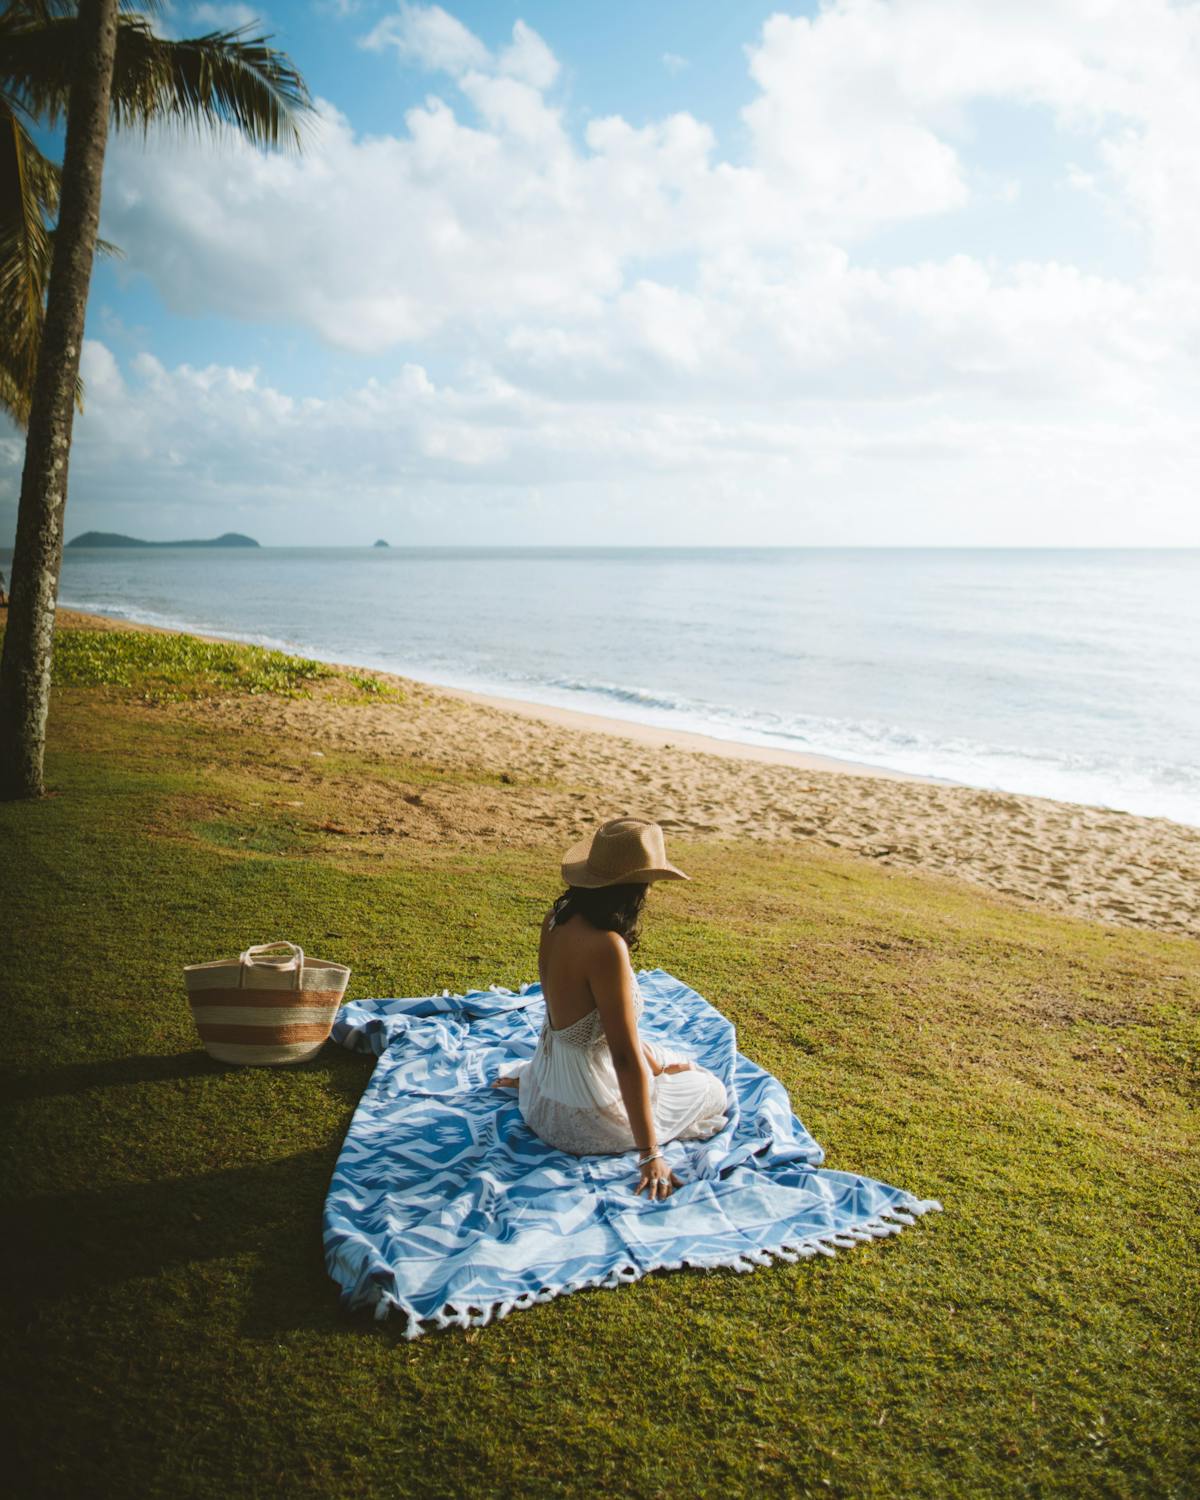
(569, 1095)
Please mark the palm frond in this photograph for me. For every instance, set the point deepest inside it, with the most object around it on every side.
(223, 77)
(37, 12)
(29, 191)
(103, 247)
(12, 398)
(37, 55)
(29, 188)
(220, 78)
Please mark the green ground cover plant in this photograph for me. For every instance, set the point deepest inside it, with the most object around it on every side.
(170, 1329)
(164, 667)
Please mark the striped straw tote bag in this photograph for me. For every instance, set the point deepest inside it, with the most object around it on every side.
(265, 1006)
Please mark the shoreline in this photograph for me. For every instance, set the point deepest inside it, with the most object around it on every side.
(682, 739)
(584, 720)
(471, 771)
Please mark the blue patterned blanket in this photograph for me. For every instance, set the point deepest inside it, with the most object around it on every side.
(445, 1207)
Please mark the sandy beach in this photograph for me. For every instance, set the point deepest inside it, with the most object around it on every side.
(558, 773)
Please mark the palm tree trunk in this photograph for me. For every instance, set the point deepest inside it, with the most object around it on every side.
(37, 558)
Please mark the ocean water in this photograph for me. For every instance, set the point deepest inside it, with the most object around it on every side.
(1068, 674)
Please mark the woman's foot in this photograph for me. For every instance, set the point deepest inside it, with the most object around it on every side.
(506, 1083)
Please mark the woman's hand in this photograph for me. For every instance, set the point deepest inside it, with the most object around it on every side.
(657, 1178)
(659, 1068)
(651, 1061)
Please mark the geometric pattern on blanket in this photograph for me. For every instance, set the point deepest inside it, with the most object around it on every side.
(446, 1209)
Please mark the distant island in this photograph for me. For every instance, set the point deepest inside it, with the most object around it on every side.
(115, 539)
(381, 543)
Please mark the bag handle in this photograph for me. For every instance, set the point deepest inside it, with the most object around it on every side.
(258, 953)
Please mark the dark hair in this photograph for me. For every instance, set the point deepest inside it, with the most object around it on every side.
(611, 908)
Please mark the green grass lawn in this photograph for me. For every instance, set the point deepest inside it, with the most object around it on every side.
(169, 1324)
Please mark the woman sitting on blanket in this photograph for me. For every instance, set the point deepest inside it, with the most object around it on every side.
(593, 1085)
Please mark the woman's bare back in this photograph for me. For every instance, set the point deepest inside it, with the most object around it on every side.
(567, 955)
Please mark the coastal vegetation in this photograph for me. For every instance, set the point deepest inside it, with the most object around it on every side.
(161, 666)
(115, 539)
(170, 1325)
(170, 667)
(79, 62)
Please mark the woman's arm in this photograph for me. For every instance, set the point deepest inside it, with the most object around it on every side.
(612, 988)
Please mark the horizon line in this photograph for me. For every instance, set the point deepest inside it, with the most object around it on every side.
(661, 546)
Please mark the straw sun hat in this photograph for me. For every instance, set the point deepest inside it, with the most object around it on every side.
(623, 849)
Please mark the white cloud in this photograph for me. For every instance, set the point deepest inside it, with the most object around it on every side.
(674, 62)
(224, 17)
(433, 39)
(884, 161)
(191, 450)
(862, 103)
(430, 37)
(632, 300)
(527, 57)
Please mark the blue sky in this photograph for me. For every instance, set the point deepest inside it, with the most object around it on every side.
(874, 272)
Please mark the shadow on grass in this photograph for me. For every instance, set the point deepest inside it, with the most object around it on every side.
(88, 1241)
(344, 1072)
(91, 1239)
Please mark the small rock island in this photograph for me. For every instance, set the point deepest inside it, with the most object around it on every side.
(115, 539)
(381, 543)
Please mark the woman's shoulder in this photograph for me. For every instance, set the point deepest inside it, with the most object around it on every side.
(617, 946)
(597, 943)
(608, 958)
